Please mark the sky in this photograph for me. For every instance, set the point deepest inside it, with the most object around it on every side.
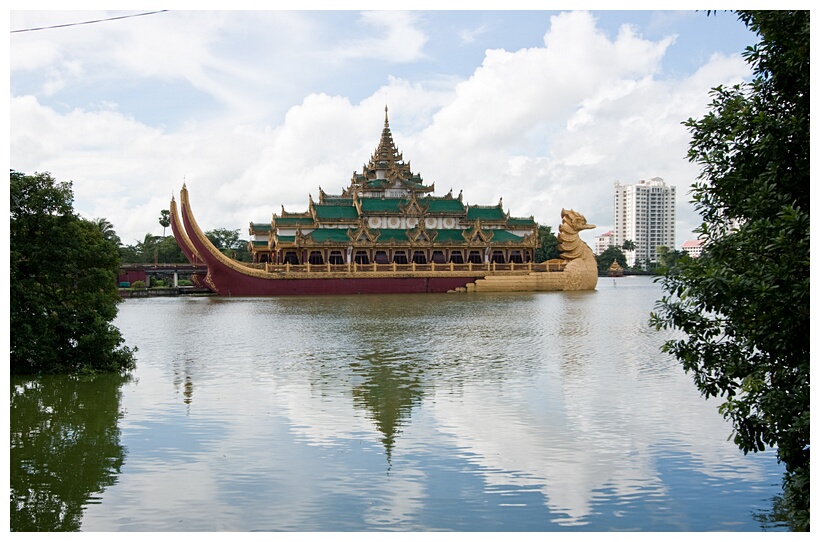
(256, 110)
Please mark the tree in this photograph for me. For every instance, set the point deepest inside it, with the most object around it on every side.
(223, 238)
(153, 248)
(63, 291)
(129, 254)
(147, 248)
(628, 245)
(157, 249)
(164, 220)
(669, 260)
(107, 230)
(744, 304)
(168, 251)
(229, 243)
(547, 248)
(611, 254)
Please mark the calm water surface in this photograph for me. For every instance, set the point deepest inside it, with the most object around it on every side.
(487, 412)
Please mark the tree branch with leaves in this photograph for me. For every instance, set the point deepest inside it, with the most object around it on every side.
(744, 304)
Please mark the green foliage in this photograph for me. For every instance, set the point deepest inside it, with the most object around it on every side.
(153, 249)
(744, 304)
(156, 249)
(63, 292)
(147, 248)
(164, 220)
(547, 248)
(605, 259)
(223, 238)
(670, 260)
(229, 243)
(129, 254)
(137, 285)
(65, 448)
(107, 230)
(628, 245)
(168, 251)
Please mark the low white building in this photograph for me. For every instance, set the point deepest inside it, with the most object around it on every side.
(603, 242)
(693, 247)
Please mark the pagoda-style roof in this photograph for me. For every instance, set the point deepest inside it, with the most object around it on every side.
(291, 221)
(387, 156)
(391, 236)
(331, 213)
(326, 199)
(386, 170)
(494, 213)
(443, 205)
(382, 206)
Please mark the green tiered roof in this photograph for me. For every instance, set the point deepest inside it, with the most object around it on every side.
(335, 212)
(392, 236)
(292, 222)
(486, 214)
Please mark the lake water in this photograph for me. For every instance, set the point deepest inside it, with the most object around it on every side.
(467, 412)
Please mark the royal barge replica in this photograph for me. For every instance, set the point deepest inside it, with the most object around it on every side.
(388, 233)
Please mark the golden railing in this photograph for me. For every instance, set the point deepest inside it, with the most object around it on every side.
(287, 268)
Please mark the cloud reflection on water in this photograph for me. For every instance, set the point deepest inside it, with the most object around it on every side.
(408, 412)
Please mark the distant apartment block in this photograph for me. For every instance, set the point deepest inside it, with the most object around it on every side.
(603, 242)
(693, 247)
(645, 215)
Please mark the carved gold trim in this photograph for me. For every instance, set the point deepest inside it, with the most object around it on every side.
(180, 231)
(570, 244)
(212, 250)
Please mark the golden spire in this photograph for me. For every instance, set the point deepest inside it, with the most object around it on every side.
(386, 149)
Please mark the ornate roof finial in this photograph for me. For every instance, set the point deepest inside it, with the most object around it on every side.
(385, 116)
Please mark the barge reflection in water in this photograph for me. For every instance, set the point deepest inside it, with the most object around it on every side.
(485, 412)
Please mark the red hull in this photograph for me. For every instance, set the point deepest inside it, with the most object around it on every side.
(236, 284)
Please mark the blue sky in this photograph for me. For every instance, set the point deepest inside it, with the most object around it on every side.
(254, 110)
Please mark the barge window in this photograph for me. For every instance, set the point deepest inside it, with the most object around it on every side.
(336, 257)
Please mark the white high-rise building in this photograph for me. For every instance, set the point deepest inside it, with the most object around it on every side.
(645, 215)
